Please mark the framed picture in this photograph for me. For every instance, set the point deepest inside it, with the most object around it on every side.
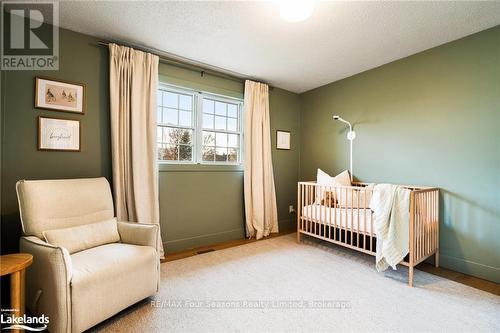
(58, 134)
(59, 95)
(283, 140)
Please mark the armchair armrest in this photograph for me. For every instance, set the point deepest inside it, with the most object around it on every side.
(139, 234)
(48, 282)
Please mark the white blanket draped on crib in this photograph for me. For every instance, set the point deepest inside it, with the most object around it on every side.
(390, 204)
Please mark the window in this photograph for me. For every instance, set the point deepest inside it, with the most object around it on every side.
(198, 127)
(175, 131)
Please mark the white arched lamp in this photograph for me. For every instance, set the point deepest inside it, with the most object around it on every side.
(351, 135)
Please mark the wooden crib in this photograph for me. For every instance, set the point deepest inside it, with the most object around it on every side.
(352, 225)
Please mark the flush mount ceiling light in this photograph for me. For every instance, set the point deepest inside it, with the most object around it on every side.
(296, 10)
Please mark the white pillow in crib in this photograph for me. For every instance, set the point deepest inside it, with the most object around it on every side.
(350, 199)
(324, 179)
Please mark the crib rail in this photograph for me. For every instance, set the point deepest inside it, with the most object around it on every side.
(424, 225)
(337, 214)
(341, 215)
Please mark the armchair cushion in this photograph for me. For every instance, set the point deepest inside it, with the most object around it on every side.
(108, 278)
(84, 237)
(139, 234)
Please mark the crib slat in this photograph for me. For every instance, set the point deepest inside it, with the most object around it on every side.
(364, 223)
(357, 217)
(334, 212)
(309, 209)
(330, 216)
(323, 218)
(345, 215)
(302, 204)
(427, 223)
(352, 216)
(417, 227)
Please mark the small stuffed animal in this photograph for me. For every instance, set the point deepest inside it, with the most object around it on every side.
(329, 199)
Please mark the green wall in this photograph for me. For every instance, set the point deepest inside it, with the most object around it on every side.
(203, 204)
(199, 204)
(429, 119)
(81, 60)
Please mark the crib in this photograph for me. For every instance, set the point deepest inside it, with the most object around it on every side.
(352, 225)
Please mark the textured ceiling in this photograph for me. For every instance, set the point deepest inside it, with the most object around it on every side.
(340, 39)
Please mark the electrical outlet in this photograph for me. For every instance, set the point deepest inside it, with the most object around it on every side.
(291, 209)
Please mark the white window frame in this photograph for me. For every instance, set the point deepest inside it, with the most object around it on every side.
(192, 127)
(198, 124)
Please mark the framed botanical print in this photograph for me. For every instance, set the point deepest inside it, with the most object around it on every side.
(283, 140)
(59, 95)
(58, 134)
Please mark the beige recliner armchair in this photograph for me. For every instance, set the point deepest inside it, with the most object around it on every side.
(86, 265)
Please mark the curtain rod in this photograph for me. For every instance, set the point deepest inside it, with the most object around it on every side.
(181, 62)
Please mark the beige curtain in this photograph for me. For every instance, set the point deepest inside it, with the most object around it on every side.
(133, 80)
(260, 196)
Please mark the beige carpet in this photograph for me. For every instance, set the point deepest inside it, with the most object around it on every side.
(215, 292)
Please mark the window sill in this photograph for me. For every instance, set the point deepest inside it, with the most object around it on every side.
(194, 167)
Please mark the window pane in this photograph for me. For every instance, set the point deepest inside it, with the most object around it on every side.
(177, 135)
(233, 155)
(170, 116)
(185, 153)
(232, 124)
(159, 98)
(208, 121)
(220, 123)
(208, 138)
(208, 154)
(183, 136)
(159, 134)
(220, 108)
(208, 106)
(185, 102)
(170, 100)
(159, 116)
(221, 139)
(232, 140)
(185, 118)
(232, 110)
(221, 154)
(166, 135)
(171, 153)
(161, 153)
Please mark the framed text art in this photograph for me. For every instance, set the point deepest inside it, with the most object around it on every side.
(58, 134)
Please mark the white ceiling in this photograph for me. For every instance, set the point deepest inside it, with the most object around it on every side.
(340, 39)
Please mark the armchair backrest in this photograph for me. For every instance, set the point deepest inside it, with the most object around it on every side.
(63, 203)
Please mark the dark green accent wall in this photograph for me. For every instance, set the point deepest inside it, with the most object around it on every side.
(430, 119)
(202, 204)
(81, 60)
(199, 205)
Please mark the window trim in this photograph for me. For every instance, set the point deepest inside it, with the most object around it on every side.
(197, 128)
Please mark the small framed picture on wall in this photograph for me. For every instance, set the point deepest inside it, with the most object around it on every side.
(58, 134)
(59, 95)
(283, 140)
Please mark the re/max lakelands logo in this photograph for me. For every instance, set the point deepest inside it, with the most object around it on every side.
(30, 35)
(34, 324)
